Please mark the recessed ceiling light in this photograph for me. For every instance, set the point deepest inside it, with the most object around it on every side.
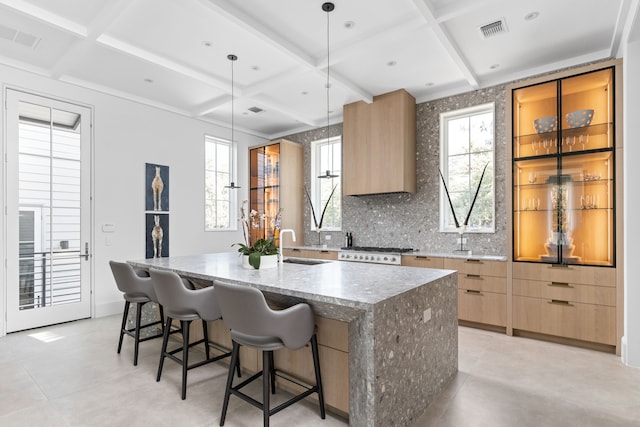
(495, 66)
(255, 68)
(349, 25)
(304, 92)
(148, 80)
(206, 43)
(531, 16)
(429, 84)
(391, 63)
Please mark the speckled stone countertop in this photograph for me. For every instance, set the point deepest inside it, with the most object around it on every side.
(352, 285)
(416, 253)
(403, 324)
(455, 255)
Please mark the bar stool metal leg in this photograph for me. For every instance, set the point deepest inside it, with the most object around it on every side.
(163, 352)
(266, 376)
(227, 392)
(316, 365)
(136, 338)
(125, 315)
(185, 355)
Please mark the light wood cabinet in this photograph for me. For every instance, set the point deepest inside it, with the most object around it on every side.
(565, 193)
(333, 349)
(422, 261)
(379, 145)
(311, 253)
(482, 287)
(576, 302)
(275, 185)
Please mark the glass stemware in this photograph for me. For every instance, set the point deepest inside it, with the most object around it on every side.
(571, 141)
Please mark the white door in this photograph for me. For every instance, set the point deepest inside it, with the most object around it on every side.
(48, 214)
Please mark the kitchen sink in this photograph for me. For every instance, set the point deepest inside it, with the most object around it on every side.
(303, 261)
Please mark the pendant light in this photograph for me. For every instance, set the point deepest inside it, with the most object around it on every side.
(328, 7)
(232, 185)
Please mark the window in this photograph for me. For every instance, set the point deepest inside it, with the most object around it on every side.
(466, 146)
(219, 200)
(326, 155)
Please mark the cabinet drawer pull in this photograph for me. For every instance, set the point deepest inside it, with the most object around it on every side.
(295, 250)
(560, 302)
(560, 266)
(426, 258)
(473, 292)
(473, 261)
(560, 285)
(324, 252)
(474, 276)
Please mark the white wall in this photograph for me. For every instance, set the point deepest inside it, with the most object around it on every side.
(631, 351)
(126, 136)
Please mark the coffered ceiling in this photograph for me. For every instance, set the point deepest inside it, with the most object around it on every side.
(172, 54)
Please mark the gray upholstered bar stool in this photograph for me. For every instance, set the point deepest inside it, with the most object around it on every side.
(136, 288)
(186, 305)
(254, 324)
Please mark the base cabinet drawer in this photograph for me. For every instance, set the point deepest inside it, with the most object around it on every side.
(586, 322)
(422, 261)
(588, 294)
(482, 307)
(587, 275)
(310, 253)
(477, 266)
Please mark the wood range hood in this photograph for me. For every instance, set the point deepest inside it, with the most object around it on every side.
(379, 145)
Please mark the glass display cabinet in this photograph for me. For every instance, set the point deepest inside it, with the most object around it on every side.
(264, 197)
(564, 170)
(275, 189)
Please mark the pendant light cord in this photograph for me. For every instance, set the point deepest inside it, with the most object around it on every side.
(328, 7)
(232, 185)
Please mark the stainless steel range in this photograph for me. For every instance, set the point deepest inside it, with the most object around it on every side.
(372, 254)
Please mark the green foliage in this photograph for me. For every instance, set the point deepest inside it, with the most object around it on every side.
(260, 247)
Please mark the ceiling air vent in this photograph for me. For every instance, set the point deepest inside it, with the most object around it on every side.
(493, 29)
(19, 37)
(256, 110)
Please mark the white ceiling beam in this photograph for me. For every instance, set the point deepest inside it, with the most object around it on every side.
(453, 10)
(45, 16)
(161, 61)
(212, 105)
(626, 17)
(426, 9)
(259, 29)
(283, 45)
(76, 52)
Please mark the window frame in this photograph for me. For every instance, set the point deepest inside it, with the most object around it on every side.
(444, 157)
(315, 181)
(232, 195)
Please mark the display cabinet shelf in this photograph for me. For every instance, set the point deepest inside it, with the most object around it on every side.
(563, 170)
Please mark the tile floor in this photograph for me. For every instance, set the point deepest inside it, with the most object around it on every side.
(70, 375)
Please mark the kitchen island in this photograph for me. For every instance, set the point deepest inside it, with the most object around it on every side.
(402, 324)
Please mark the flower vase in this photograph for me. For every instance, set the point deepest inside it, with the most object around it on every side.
(266, 261)
(462, 248)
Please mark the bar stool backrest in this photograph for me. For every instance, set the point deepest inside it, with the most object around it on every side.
(245, 310)
(173, 293)
(131, 282)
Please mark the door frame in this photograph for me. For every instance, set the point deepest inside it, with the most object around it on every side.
(4, 183)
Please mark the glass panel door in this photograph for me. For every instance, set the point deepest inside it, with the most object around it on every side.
(48, 212)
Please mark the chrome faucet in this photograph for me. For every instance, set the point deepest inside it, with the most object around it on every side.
(282, 233)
